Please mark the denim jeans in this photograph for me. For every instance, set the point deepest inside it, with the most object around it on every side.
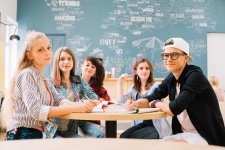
(91, 129)
(24, 133)
(70, 133)
(67, 134)
(144, 130)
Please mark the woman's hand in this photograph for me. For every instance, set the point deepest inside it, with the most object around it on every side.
(123, 77)
(85, 106)
(142, 103)
(95, 102)
(130, 105)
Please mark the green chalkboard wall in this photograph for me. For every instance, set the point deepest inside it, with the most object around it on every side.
(121, 31)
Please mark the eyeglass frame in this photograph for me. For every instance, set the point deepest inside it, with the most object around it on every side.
(172, 56)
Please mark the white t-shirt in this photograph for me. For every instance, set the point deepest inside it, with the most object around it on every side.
(183, 117)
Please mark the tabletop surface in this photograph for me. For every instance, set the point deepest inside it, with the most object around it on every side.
(110, 114)
(101, 144)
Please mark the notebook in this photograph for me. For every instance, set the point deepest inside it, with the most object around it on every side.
(100, 107)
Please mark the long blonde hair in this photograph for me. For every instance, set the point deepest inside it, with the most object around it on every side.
(24, 62)
(56, 73)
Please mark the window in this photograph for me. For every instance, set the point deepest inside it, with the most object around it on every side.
(10, 52)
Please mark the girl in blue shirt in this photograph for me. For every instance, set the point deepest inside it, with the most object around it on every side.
(71, 86)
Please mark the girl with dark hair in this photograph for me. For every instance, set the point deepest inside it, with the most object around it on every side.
(93, 73)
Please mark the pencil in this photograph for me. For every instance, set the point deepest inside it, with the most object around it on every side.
(87, 97)
(129, 97)
(75, 95)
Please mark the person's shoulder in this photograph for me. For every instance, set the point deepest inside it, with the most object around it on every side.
(133, 92)
(156, 83)
(194, 69)
(168, 77)
(195, 74)
(29, 71)
(28, 74)
(49, 81)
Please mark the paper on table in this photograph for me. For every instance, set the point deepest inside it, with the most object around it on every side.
(138, 110)
(97, 110)
(147, 110)
(99, 107)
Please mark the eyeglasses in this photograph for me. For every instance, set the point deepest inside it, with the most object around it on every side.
(173, 55)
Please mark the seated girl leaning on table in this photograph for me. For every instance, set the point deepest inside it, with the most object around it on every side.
(71, 86)
(144, 84)
(31, 101)
(93, 73)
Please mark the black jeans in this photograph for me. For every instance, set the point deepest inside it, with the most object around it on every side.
(145, 130)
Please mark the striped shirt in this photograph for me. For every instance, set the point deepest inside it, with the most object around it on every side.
(32, 100)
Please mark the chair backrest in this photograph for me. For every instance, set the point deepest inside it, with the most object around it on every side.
(222, 109)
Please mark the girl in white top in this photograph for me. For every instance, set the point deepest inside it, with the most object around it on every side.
(213, 80)
(31, 101)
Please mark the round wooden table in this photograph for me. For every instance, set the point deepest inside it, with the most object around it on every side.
(111, 119)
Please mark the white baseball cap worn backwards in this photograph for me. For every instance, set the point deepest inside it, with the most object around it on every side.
(178, 43)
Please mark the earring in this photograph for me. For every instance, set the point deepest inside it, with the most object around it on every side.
(137, 77)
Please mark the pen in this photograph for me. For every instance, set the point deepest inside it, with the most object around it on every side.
(131, 101)
(129, 97)
(135, 111)
(75, 95)
(89, 99)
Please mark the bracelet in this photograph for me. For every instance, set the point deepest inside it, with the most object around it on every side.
(150, 104)
(153, 103)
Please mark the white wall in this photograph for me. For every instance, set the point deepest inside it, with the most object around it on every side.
(7, 8)
(216, 56)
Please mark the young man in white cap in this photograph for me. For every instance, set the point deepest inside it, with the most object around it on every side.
(196, 117)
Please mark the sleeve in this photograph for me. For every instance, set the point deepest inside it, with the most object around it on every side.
(161, 91)
(57, 97)
(125, 97)
(195, 84)
(31, 97)
(87, 90)
(104, 94)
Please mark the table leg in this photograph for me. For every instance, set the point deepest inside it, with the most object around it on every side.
(110, 129)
